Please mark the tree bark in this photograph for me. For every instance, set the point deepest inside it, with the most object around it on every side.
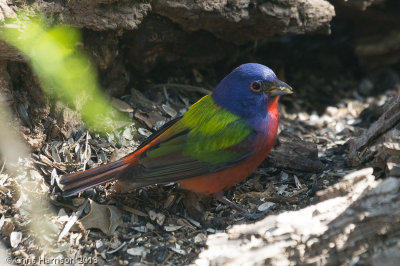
(352, 222)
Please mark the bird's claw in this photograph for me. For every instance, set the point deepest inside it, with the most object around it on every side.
(246, 214)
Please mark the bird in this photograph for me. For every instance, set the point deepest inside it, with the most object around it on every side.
(216, 144)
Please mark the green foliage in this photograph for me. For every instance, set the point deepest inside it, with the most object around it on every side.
(63, 71)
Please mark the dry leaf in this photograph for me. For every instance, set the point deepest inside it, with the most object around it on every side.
(137, 251)
(172, 228)
(121, 105)
(103, 217)
(265, 206)
(8, 228)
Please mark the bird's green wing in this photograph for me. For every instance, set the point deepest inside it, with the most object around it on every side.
(207, 139)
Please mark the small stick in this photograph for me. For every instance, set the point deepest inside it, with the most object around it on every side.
(2, 168)
(117, 249)
(86, 150)
(74, 217)
(275, 199)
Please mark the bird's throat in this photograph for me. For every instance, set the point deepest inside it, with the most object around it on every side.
(272, 106)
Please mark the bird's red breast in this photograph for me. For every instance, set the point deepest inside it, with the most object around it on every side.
(219, 181)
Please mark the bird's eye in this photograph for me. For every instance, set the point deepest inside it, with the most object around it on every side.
(255, 86)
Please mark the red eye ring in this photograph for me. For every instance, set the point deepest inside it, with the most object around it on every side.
(255, 86)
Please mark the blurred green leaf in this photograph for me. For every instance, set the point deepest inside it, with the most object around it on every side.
(63, 71)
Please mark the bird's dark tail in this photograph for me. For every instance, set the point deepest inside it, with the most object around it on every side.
(72, 184)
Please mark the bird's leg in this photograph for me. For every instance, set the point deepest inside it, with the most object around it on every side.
(277, 142)
(220, 196)
(251, 216)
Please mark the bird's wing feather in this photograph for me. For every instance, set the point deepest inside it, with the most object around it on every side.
(206, 139)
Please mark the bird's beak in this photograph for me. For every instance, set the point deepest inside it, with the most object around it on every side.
(279, 88)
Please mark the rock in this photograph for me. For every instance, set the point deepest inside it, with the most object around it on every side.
(375, 44)
(243, 21)
(152, 30)
(378, 49)
(98, 15)
(233, 21)
(360, 4)
(67, 119)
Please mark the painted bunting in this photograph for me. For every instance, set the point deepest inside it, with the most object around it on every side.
(217, 143)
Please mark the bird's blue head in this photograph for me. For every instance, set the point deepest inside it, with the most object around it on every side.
(248, 89)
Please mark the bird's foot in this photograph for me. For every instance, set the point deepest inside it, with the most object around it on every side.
(250, 216)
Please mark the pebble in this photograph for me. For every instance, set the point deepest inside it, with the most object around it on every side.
(200, 238)
(15, 239)
(137, 251)
(265, 206)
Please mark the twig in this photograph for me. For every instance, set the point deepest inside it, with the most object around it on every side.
(275, 199)
(74, 217)
(253, 194)
(297, 192)
(167, 258)
(134, 211)
(2, 168)
(182, 86)
(87, 157)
